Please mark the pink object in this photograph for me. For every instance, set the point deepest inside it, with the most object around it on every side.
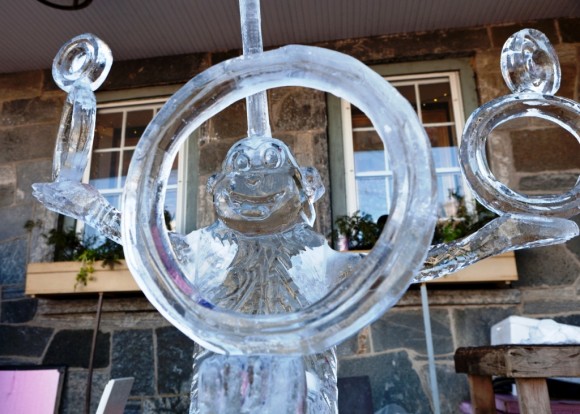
(30, 390)
(508, 404)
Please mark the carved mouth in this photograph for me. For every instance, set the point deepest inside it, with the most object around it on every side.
(255, 200)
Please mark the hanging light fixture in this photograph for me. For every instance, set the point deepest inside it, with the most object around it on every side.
(66, 4)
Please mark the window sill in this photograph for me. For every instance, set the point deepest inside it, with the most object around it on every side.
(57, 278)
(501, 268)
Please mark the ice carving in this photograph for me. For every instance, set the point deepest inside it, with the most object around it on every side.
(260, 280)
(79, 68)
(529, 63)
(262, 257)
(531, 70)
(245, 385)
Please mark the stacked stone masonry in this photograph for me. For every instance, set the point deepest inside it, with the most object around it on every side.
(390, 355)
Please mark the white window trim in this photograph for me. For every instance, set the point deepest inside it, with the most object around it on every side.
(347, 129)
(152, 103)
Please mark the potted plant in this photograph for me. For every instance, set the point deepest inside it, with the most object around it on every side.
(359, 232)
(80, 265)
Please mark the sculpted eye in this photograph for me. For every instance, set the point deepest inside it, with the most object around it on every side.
(271, 158)
(241, 162)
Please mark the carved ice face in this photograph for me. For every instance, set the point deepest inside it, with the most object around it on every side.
(260, 189)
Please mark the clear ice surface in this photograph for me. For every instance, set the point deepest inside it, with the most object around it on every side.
(251, 384)
(260, 280)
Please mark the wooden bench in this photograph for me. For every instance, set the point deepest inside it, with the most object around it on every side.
(529, 365)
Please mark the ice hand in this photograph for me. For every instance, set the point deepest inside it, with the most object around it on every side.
(82, 202)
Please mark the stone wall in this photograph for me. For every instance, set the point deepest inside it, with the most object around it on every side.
(134, 340)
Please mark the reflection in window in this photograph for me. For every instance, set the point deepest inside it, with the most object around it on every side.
(435, 99)
(117, 133)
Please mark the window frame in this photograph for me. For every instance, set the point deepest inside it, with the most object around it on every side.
(188, 156)
(343, 188)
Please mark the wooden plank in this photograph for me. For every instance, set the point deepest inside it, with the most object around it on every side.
(533, 396)
(60, 278)
(482, 395)
(520, 361)
(501, 268)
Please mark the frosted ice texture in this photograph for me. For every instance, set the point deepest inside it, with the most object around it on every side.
(529, 63)
(245, 385)
(262, 257)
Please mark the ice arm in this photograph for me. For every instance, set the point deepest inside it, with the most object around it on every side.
(505, 233)
(81, 202)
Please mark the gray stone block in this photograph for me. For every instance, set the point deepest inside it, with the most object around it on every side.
(231, 123)
(40, 250)
(355, 396)
(174, 361)
(297, 109)
(405, 329)
(548, 183)
(574, 244)
(23, 341)
(472, 325)
(165, 70)
(75, 389)
(13, 262)
(453, 387)
(133, 357)
(550, 305)
(393, 380)
(28, 173)
(18, 311)
(12, 292)
(13, 220)
(7, 185)
(72, 347)
(349, 347)
(35, 110)
(546, 266)
(21, 85)
(133, 407)
(573, 320)
(27, 142)
(167, 405)
(548, 149)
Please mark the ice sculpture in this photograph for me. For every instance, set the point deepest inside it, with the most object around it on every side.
(531, 70)
(259, 284)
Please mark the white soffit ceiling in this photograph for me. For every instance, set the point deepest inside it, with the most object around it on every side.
(32, 33)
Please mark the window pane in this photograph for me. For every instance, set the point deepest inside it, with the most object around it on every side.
(359, 119)
(368, 151)
(447, 184)
(436, 102)
(372, 195)
(104, 170)
(136, 123)
(408, 91)
(442, 136)
(127, 155)
(108, 130)
(445, 157)
(171, 206)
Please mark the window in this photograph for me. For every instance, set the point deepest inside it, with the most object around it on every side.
(438, 100)
(117, 131)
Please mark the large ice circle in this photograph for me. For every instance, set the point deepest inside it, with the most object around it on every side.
(378, 281)
(488, 190)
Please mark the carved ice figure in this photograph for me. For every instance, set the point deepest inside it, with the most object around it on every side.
(531, 70)
(262, 256)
